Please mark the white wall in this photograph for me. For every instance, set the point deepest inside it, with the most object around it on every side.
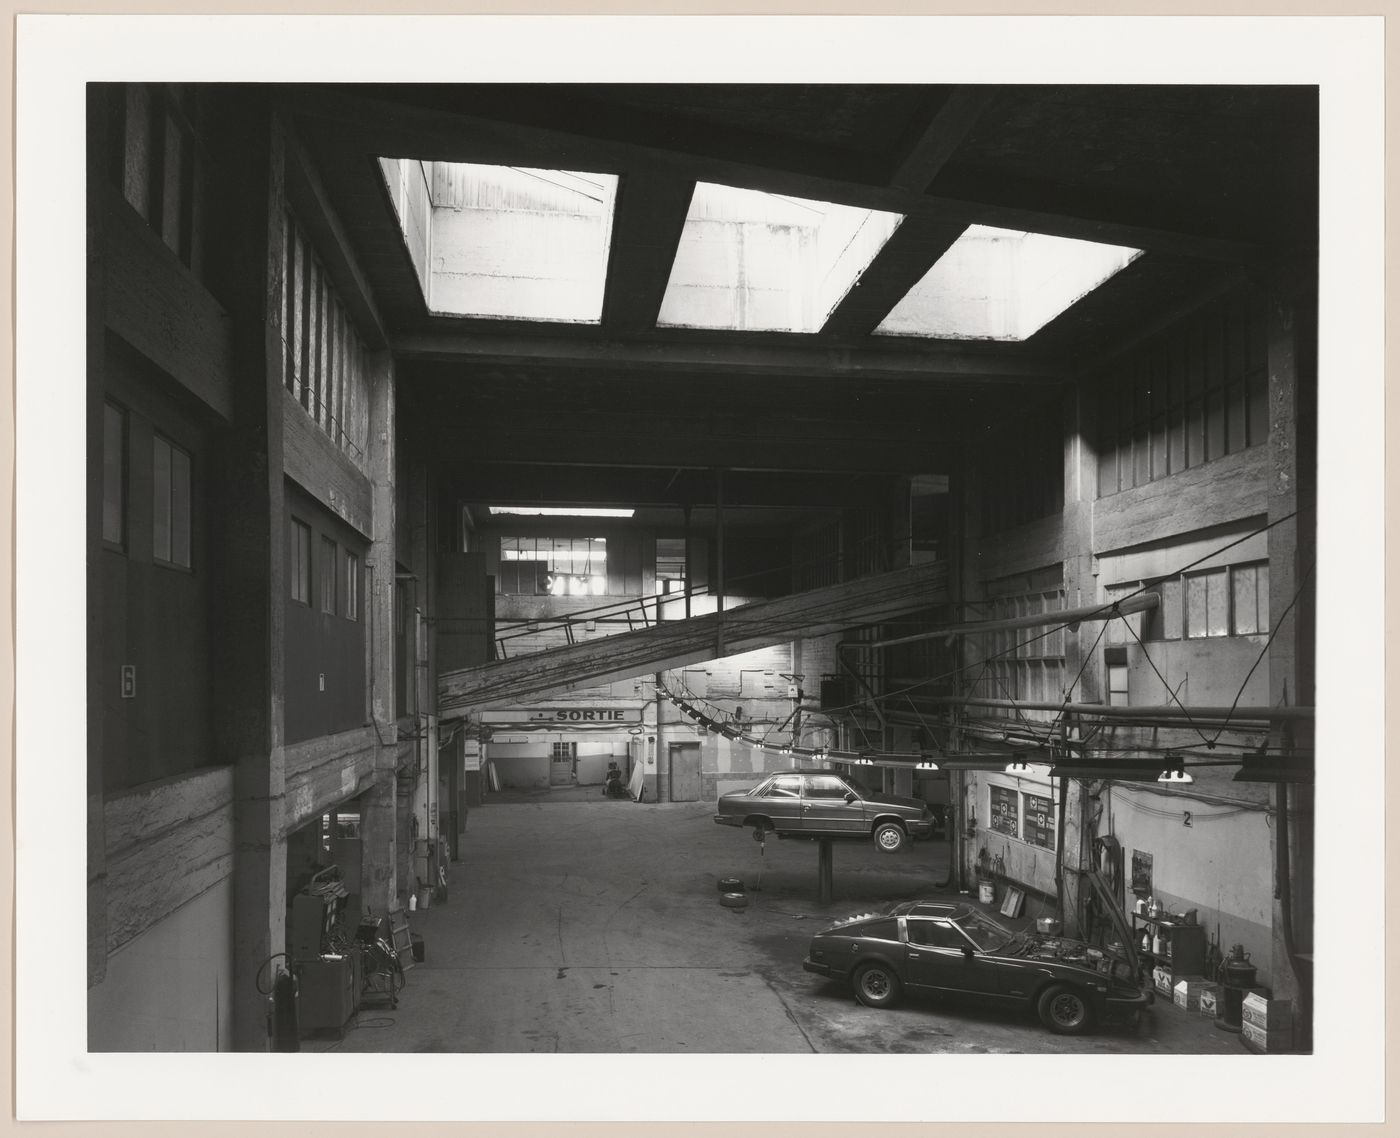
(1219, 865)
(170, 989)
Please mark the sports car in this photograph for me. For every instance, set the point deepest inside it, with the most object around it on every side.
(954, 948)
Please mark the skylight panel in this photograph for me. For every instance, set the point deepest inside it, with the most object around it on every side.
(506, 242)
(753, 261)
(1000, 284)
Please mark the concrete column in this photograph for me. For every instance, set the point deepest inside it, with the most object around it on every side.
(379, 882)
(97, 101)
(1292, 393)
(248, 575)
(1082, 663)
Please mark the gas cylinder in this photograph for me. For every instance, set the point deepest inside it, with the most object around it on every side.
(1237, 976)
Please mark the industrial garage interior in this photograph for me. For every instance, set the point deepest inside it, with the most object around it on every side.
(486, 480)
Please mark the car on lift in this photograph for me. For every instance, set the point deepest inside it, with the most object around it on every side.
(955, 949)
(825, 804)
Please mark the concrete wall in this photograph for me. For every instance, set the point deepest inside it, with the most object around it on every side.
(525, 766)
(171, 988)
(1219, 864)
(1024, 863)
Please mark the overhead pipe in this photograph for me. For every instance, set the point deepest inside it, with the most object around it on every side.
(1125, 711)
(1139, 603)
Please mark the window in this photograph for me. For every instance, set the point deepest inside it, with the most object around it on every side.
(1228, 601)
(1117, 678)
(114, 476)
(1193, 397)
(330, 558)
(1038, 820)
(934, 934)
(785, 787)
(1023, 664)
(670, 564)
(352, 585)
(886, 929)
(826, 786)
(1004, 811)
(1023, 815)
(299, 561)
(554, 566)
(170, 470)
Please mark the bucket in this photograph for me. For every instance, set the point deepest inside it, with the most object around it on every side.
(419, 950)
(986, 892)
(1050, 926)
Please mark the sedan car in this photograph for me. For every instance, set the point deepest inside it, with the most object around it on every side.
(824, 804)
(940, 948)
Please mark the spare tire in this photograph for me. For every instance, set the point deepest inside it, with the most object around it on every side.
(731, 885)
(734, 900)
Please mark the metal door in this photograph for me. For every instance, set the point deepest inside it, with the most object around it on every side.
(685, 772)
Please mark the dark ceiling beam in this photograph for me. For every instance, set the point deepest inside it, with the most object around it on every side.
(943, 132)
(593, 441)
(926, 364)
(909, 253)
(647, 223)
(379, 127)
(504, 484)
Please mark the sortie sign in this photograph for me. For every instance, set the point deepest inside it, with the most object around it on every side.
(567, 716)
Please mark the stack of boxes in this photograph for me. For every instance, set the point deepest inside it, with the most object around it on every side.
(1267, 1024)
(1190, 992)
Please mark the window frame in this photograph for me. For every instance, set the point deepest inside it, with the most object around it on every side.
(352, 585)
(329, 566)
(169, 509)
(296, 560)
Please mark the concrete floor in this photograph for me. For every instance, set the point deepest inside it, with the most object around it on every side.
(578, 924)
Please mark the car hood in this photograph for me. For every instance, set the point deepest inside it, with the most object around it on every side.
(894, 800)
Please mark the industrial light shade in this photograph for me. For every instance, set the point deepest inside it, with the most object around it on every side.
(1275, 768)
(1121, 770)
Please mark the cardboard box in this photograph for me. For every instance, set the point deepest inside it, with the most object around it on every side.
(1257, 1039)
(1187, 993)
(1162, 981)
(1266, 1014)
(1210, 1000)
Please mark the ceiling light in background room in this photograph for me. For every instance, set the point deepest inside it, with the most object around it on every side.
(563, 511)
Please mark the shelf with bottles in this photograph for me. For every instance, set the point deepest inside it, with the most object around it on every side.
(1170, 941)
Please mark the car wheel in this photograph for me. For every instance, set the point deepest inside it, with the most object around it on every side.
(731, 885)
(1065, 1010)
(761, 829)
(876, 985)
(734, 900)
(890, 837)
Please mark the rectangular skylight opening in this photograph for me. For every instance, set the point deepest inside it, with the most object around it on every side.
(563, 511)
(1002, 284)
(751, 261)
(505, 242)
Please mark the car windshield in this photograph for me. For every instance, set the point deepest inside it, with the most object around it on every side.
(985, 933)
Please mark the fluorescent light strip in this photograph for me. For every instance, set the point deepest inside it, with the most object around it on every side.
(562, 511)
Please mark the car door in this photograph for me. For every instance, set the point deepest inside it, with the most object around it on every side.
(781, 801)
(825, 811)
(938, 957)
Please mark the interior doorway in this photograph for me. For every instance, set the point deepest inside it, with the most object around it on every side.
(563, 759)
(684, 769)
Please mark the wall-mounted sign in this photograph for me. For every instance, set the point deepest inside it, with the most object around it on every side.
(580, 716)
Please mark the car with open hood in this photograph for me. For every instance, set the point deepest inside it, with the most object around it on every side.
(953, 948)
(825, 804)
